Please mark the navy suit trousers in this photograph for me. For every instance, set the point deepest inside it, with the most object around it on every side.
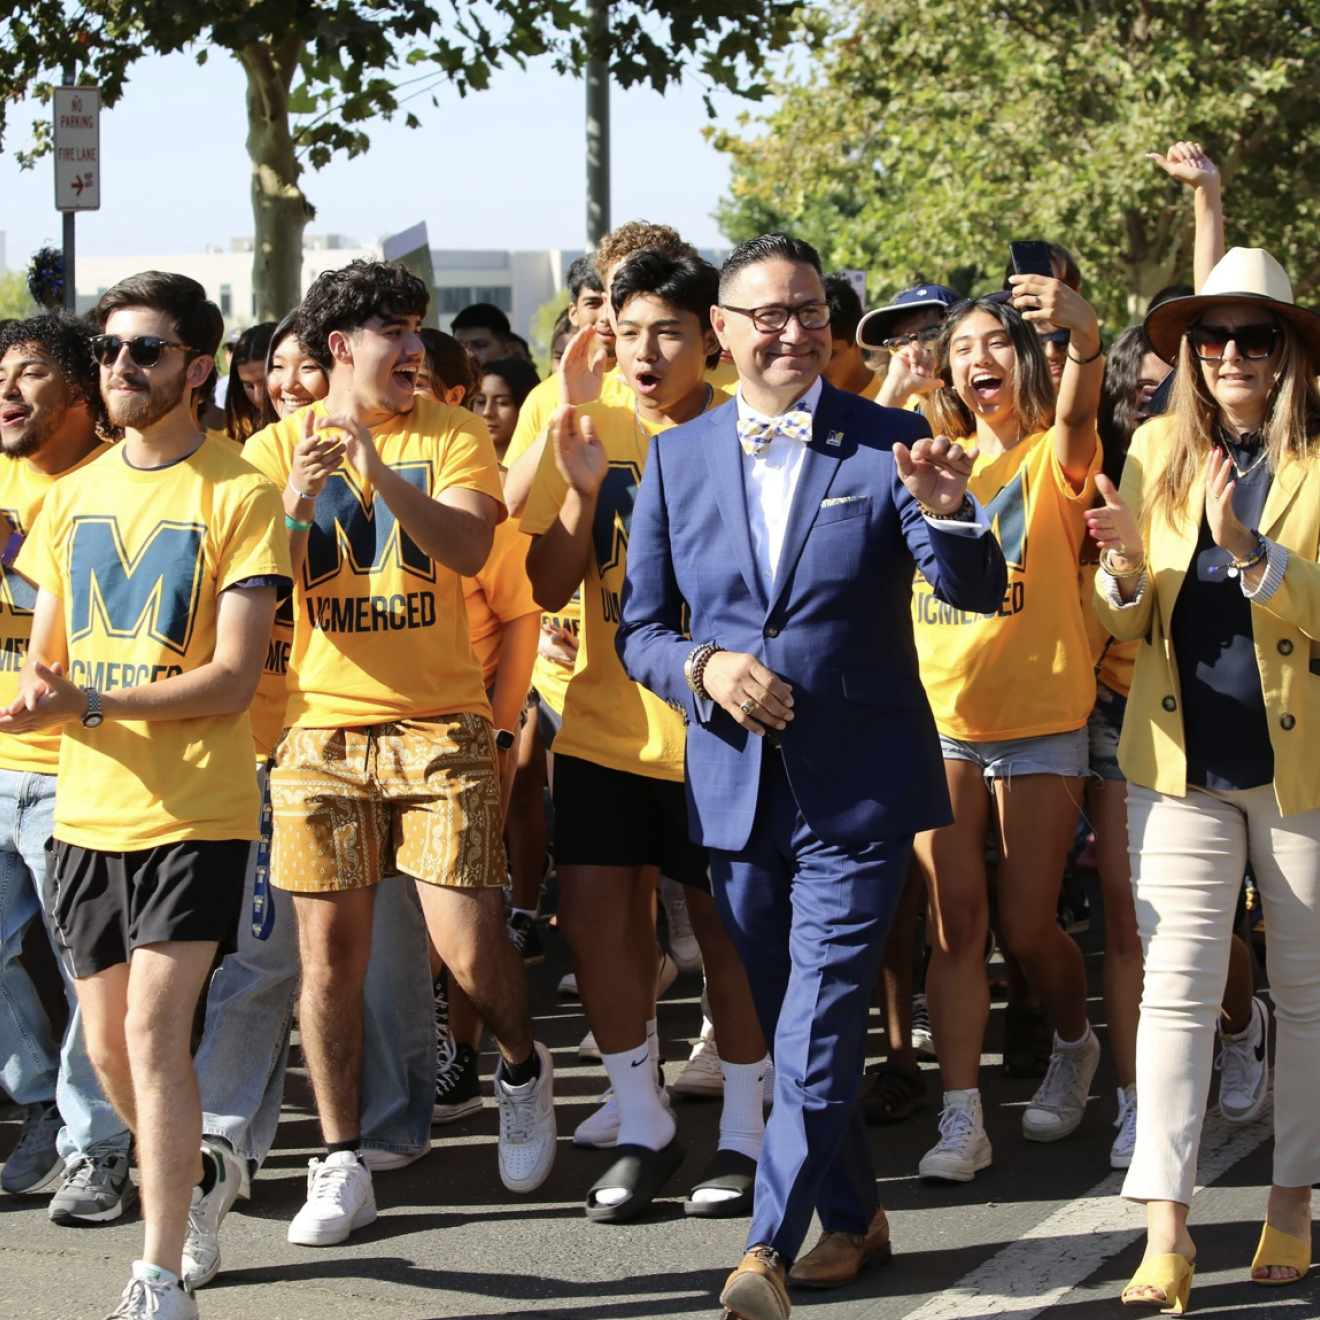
(810, 922)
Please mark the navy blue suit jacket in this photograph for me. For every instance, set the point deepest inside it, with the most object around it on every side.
(861, 752)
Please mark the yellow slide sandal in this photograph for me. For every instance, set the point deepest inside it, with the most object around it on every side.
(1172, 1274)
(1279, 1248)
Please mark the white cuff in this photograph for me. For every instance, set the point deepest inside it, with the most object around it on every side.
(979, 527)
(1110, 591)
(1276, 564)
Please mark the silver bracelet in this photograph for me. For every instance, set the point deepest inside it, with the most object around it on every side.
(301, 494)
(694, 667)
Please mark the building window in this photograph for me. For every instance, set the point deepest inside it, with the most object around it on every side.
(454, 299)
(498, 295)
(226, 301)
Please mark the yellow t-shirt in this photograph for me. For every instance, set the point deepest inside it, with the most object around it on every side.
(500, 593)
(1116, 661)
(608, 718)
(222, 437)
(272, 697)
(1025, 670)
(873, 386)
(138, 559)
(380, 632)
(22, 491)
(550, 677)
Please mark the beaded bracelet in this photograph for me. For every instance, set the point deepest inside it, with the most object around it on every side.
(1254, 558)
(694, 668)
(1115, 573)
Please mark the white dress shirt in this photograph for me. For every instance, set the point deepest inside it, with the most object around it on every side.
(770, 479)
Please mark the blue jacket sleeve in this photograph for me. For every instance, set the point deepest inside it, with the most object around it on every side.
(651, 640)
(967, 572)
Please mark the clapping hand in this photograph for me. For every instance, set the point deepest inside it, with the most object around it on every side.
(579, 454)
(582, 368)
(1228, 532)
(315, 457)
(358, 447)
(46, 699)
(936, 472)
(1114, 526)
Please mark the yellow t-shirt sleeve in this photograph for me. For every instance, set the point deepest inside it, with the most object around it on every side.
(533, 417)
(255, 544)
(546, 498)
(469, 463)
(37, 560)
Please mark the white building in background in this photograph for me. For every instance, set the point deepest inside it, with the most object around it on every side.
(516, 282)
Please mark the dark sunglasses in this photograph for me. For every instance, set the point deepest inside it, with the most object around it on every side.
(1254, 342)
(927, 335)
(145, 350)
(1063, 337)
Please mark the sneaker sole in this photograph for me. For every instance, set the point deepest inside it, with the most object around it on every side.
(332, 1237)
(388, 1161)
(67, 1219)
(452, 1113)
(42, 1183)
(1120, 1161)
(1247, 1114)
(711, 1089)
(201, 1280)
(950, 1174)
(1047, 1135)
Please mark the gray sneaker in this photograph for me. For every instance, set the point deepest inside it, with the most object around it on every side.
(1244, 1067)
(96, 1190)
(34, 1162)
(1057, 1108)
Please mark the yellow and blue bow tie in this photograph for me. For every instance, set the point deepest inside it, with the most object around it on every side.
(756, 433)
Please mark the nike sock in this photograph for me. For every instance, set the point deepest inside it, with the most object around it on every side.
(653, 1043)
(349, 1147)
(742, 1121)
(1071, 1045)
(643, 1120)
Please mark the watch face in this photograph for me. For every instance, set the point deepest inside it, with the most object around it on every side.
(93, 721)
(504, 739)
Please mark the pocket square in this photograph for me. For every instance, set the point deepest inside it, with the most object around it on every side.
(842, 499)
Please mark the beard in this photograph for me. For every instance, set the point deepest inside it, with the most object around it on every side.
(40, 428)
(145, 408)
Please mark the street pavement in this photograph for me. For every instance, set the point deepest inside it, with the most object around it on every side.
(1041, 1233)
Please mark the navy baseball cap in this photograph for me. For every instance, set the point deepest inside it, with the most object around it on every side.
(875, 327)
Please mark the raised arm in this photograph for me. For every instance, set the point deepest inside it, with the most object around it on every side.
(1188, 163)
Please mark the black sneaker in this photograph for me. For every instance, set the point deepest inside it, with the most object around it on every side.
(526, 939)
(96, 1190)
(457, 1085)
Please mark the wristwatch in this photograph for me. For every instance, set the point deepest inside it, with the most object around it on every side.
(93, 719)
(504, 739)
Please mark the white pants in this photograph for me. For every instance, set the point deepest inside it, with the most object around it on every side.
(1188, 858)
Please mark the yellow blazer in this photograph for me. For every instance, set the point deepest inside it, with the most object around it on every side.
(1286, 630)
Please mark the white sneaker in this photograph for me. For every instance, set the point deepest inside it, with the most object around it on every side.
(1120, 1153)
(702, 1074)
(1244, 1067)
(963, 1149)
(527, 1126)
(201, 1248)
(568, 988)
(340, 1198)
(383, 1161)
(682, 942)
(601, 1129)
(154, 1294)
(1057, 1108)
(923, 1039)
(666, 974)
(588, 1049)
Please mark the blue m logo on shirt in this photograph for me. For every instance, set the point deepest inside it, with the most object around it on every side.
(15, 590)
(1008, 516)
(353, 528)
(157, 588)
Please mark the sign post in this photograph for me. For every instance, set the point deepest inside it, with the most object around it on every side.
(77, 113)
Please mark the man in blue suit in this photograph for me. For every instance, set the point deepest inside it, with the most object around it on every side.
(768, 593)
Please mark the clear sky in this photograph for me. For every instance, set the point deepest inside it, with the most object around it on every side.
(503, 168)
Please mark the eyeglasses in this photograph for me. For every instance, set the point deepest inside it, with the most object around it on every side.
(1063, 337)
(145, 350)
(1254, 342)
(810, 316)
(926, 336)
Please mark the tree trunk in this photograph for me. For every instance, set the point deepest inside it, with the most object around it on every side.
(280, 212)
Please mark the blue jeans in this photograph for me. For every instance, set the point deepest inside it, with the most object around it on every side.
(32, 1069)
(249, 1008)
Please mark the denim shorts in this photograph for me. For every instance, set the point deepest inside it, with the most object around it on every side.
(1051, 754)
(1103, 730)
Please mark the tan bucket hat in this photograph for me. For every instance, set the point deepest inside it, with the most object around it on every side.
(1242, 275)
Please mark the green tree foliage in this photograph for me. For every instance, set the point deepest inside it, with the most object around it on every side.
(15, 301)
(541, 331)
(922, 136)
(319, 70)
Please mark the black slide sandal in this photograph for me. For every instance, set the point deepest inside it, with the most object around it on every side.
(643, 1172)
(728, 1171)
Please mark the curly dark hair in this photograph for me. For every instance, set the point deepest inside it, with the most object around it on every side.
(67, 340)
(347, 298)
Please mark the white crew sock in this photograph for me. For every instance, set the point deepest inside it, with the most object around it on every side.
(1071, 1045)
(742, 1121)
(643, 1120)
(653, 1044)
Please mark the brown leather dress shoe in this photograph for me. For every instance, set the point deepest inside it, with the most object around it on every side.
(756, 1290)
(838, 1258)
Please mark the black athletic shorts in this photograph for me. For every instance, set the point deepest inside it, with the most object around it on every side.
(103, 905)
(548, 723)
(607, 817)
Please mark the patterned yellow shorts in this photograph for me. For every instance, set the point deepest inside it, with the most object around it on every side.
(351, 806)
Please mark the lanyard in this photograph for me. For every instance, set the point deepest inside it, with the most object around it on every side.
(263, 909)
